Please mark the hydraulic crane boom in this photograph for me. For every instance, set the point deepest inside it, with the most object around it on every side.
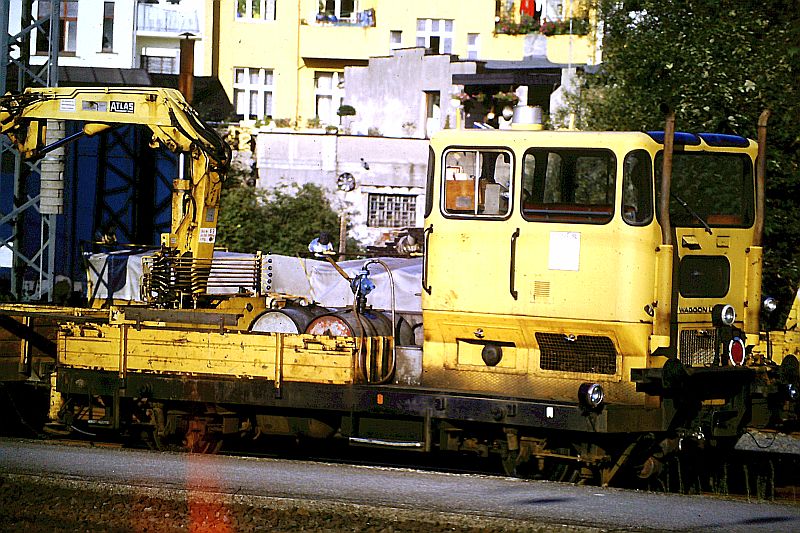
(175, 125)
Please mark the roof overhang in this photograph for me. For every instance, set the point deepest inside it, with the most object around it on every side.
(510, 77)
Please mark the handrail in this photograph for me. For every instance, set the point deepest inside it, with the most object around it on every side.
(512, 265)
(426, 252)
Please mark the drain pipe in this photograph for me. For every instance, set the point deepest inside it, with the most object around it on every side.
(186, 76)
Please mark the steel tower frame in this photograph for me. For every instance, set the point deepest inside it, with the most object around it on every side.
(42, 262)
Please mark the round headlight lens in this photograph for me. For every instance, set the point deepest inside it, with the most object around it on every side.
(591, 395)
(769, 305)
(728, 315)
(792, 392)
(723, 315)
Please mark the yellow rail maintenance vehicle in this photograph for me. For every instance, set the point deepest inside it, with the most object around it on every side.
(610, 283)
(590, 309)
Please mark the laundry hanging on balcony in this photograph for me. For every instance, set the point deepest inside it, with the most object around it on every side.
(528, 7)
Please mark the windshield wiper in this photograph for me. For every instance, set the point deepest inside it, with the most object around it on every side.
(691, 212)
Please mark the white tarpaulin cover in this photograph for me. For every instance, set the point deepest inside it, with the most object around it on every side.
(316, 280)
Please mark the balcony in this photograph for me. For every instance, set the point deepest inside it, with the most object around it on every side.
(569, 41)
(363, 19)
(573, 49)
(164, 21)
(330, 37)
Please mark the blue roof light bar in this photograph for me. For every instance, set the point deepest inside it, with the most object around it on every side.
(681, 137)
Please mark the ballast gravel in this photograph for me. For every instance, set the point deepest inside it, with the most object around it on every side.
(34, 504)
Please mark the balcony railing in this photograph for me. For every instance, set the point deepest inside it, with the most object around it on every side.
(526, 25)
(160, 19)
(364, 18)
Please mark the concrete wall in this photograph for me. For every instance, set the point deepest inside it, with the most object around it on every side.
(401, 81)
(396, 166)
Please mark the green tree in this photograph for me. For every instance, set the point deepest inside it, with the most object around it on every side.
(280, 221)
(718, 64)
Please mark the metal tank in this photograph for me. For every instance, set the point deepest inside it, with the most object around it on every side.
(290, 319)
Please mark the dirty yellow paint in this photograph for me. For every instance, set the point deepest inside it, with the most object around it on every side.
(275, 356)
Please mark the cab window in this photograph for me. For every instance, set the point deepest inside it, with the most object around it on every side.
(637, 188)
(713, 188)
(429, 183)
(477, 182)
(568, 185)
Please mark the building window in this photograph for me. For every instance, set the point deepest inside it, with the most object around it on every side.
(329, 91)
(256, 9)
(436, 34)
(473, 45)
(68, 22)
(108, 27)
(391, 211)
(160, 64)
(252, 92)
(341, 9)
(395, 39)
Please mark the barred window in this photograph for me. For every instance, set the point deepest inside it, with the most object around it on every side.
(391, 210)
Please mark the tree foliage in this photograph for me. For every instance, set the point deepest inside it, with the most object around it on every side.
(718, 64)
(280, 221)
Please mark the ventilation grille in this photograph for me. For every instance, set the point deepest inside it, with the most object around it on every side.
(541, 291)
(584, 353)
(697, 346)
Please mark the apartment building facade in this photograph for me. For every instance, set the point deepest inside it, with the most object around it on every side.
(115, 34)
(287, 60)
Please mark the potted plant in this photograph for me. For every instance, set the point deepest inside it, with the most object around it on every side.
(505, 99)
(346, 110)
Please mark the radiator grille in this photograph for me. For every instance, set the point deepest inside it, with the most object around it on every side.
(697, 346)
(584, 353)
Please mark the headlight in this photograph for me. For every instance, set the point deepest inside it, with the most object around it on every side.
(792, 392)
(591, 395)
(723, 315)
(769, 305)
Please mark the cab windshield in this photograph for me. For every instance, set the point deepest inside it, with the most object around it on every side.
(709, 188)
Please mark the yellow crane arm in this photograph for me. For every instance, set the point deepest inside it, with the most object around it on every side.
(175, 125)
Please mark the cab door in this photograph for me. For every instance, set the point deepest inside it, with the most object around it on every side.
(568, 254)
(469, 241)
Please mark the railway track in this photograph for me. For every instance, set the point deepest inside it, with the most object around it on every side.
(769, 481)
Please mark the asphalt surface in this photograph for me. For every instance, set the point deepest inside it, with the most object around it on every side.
(467, 494)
